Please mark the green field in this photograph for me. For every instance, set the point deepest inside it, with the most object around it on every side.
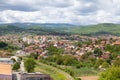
(55, 73)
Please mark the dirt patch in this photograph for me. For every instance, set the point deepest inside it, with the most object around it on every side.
(89, 78)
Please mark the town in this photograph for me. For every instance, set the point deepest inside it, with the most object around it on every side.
(55, 50)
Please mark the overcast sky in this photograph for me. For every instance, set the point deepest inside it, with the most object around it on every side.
(60, 11)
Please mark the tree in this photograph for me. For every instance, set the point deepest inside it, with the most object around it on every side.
(111, 74)
(13, 60)
(69, 60)
(79, 44)
(29, 65)
(16, 66)
(3, 44)
(52, 50)
(98, 63)
(97, 52)
(116, 62)
(105, 65)
(34, 55)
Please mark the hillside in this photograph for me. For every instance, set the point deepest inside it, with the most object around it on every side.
(7, 29)
(33, 28)
(62, 29)
(105, 28)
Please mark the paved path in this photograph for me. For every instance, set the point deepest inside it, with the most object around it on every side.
(22, 66)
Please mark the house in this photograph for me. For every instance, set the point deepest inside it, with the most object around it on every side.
(31, 76)
(5, 71)
(116, 43)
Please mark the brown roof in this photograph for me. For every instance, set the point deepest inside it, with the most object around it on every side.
(116, 43)
(5, 69)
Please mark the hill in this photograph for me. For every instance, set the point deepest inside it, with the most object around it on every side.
(7, 29)
(39, 25)
(59, 28)
(33, 28)
(105, 28)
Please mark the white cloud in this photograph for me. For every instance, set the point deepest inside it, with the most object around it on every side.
(60, 11)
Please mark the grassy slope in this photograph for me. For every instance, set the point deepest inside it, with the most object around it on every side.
(55, 73)
(110, 28)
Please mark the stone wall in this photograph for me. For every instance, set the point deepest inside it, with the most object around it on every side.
(31, 76)
(5, 77)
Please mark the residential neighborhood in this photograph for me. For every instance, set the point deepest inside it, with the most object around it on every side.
(25, 45)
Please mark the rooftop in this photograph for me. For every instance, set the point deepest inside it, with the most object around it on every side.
(5, 69)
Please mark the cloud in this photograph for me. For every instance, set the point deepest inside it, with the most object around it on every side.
(60, 11)
(33, 5)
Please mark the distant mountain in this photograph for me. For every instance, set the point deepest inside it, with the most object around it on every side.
(6, 29)
(59, 28)
(47, 28)
(104, 28)
(38, 25)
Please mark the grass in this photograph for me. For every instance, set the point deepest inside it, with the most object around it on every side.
(83, 71)
(55, 73)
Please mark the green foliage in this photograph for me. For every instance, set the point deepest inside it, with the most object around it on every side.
(79, 44)
(71, 72)
(113, 48)
(54, 72)
(34, 55)
(105, 28)
(8, 47)
(116, 62)
(80, 65)
(63, 59)
(69, 60)
(77, 78)
(87, 60)
(29, 65)
(83, 71)
(20, 58)
(13, 60)
(54, 50)
(16, 66)
(97, 52)
(98, 63)
(105, 65)
(3, 45)
(111, 74)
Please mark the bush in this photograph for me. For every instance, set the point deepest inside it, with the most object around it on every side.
(111, 74)
(16, 66)
(79, 65)
(105, 65)
(29, 65)
(78, 79)
(71, 72)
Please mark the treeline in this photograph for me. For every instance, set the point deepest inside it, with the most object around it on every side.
(8, 47)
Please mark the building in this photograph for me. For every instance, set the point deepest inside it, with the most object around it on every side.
(31, 76)
(5, 71)
(116, 43)
(6, 60)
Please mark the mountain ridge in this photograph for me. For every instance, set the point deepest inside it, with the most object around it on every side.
(48, 28)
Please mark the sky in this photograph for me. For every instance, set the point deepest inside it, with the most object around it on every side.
(81, 12)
